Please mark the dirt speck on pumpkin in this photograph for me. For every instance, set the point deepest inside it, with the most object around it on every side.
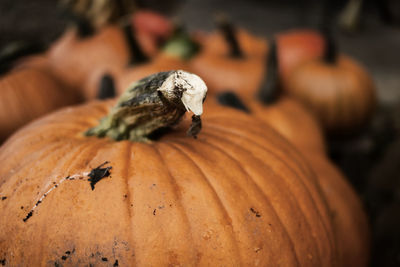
(98, 174)
(3, 262)
(255, 212)
(115, 263)
(28, 216)
(154, 212)
(104, 259)
(3, 198)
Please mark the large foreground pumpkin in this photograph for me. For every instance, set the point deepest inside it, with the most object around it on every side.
(239, 194)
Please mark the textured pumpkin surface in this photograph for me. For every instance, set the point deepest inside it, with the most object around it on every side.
(26, 94)
(341, 95)
(237, 195)
(350, 221)
(222, 72)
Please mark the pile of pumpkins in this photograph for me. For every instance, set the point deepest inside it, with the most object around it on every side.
(255, 188)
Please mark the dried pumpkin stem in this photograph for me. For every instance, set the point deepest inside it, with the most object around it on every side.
(270, 88)
(228, 30)
(137, 55)
(106, 88)
(180, 44)
(331, 51)
(156, 102)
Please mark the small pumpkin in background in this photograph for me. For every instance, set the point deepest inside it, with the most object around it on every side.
(283, 112)
(28, 90)
(174, 54)
(77, 59)
(238, 194)
(337, 89)
(230, 58)
(296, 47)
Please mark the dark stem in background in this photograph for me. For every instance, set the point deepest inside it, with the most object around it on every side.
(230, 99)
(270, 89)
(16, 50)
(137, 56)
(326, 29)
(84, 27)
(228, 30)
(331, 50)
(106, 88)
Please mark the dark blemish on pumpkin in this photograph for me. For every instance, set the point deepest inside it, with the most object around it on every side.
(230, 99)
(28, 216)
(56, 264)
(255, 212)
(131, 205)
(104, 259)
(115, 263)
(125, 196)
(3, 262)
(92, 255)
(161, 207)
(257, 249)
(154, 211)
(22, 207)
(98, 174)
(3, 198)
(64, 257)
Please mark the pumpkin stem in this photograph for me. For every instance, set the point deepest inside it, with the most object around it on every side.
(331, 50)
(137, 55)
(153, 104)
(230, 99)
(16, 50)
(180, 44)
(106, 88)
(270, 88)
(228, 30)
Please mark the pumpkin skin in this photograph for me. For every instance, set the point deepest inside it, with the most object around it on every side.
(169, 198)
(291, 119)
(296, 47)
(241, 75)
(27, 93)
(341, 95)
(348, 214)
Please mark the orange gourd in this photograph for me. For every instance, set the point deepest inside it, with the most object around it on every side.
(337, 90)
(238, 194)
(230, 59)
(28, 91)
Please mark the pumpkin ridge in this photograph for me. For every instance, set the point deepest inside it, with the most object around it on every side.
(257, 188)
(39, 257)
(311, 199)
(174, 184)
(218, 199)
(306, 188)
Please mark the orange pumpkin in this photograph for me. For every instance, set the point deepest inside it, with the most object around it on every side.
(238, 194)
(230, 59)
(337, 90)
(27, 93)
